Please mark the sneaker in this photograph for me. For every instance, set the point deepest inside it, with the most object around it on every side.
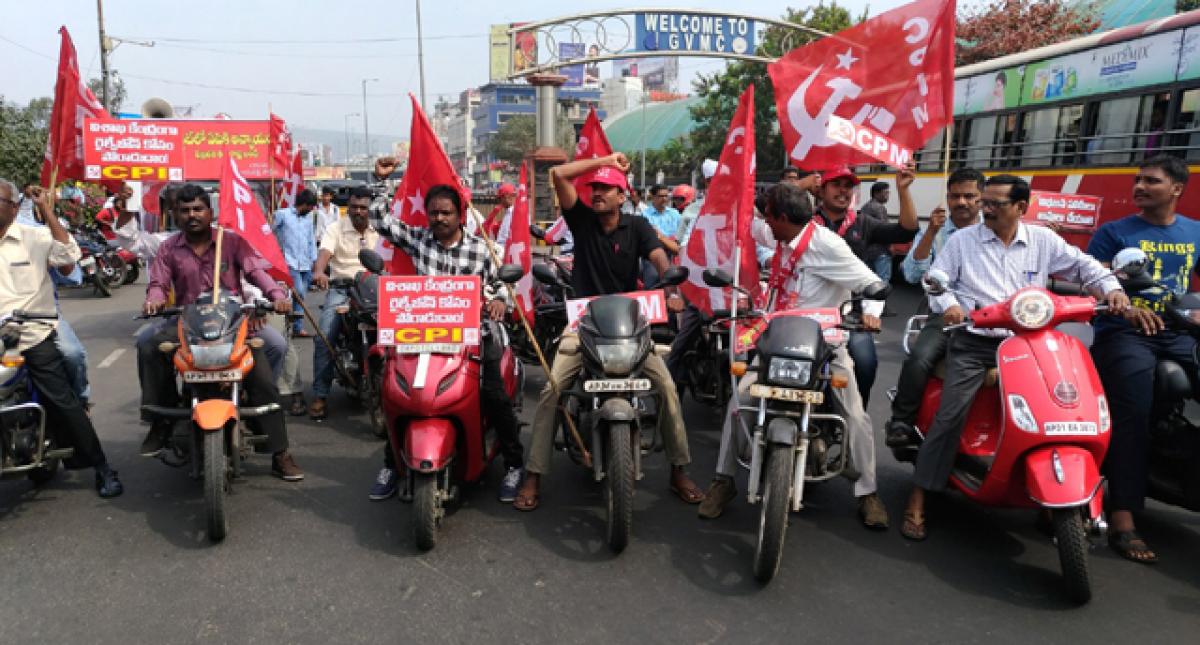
(720, 493)
(285, 468)
(899, 434)
(512, 481)
(107, 484)
(155, 441)
(385, 485)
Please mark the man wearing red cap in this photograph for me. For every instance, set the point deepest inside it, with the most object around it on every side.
(609, 246)
(507, 194)
(836, 193)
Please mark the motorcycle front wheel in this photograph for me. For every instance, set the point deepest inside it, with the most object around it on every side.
(1072, 542)
(114, 271)
(772, 521)
(132, 272)
(618, 485)
(216, 483)
(427, 510)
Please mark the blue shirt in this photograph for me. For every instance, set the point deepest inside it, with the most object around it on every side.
(296, 238)
(1171, 250)
(914, 269)
(665, 221)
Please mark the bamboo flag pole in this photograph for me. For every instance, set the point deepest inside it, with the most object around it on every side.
(217, 265)
(587, 456)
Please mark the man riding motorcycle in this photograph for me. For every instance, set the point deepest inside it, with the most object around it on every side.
(446, 248)
(986, 264)
(823, 276)
(608, 248)
(963, 191)
(1127, 351)
(184, 264)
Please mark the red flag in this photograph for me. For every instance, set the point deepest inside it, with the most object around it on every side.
(557, 230)
(592, 143)
(281, 145)
(241, 214)
(518, 245)
(292, 184)
(724, 220)
(73, 102)
(894, 73)
(428, 166)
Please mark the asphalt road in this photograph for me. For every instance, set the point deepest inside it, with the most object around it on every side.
(316, 562)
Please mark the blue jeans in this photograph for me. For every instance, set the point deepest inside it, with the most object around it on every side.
(300, 282)
(862, 351)
(74, 359)
(330, 324)
(882, 266)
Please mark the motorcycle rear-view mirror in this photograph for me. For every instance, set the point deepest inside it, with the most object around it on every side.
(877, 291)
(371, 261)
(717, 278)
(511, 273)
(674, 276)
(936, 282)
(544, 274)
(1129, 262)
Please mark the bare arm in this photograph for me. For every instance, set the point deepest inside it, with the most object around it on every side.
(563, 176)
(908, 208)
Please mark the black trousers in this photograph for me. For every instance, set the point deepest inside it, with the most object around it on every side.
(65, 417)
(924, 355)
(1126, 361)
(495, 404)
(968, 359)
(157, 375)
(691, 322)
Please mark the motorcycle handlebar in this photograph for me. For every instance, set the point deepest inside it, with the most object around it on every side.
(21, 315)
(165, 312)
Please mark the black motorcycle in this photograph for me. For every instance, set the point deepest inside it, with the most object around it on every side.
(706, 360)
(610, 401)
(356, 350)
(26, 448)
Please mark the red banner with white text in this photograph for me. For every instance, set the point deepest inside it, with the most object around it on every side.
(173, 149)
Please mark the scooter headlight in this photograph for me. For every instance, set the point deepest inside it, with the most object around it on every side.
(1105, 418)
(789, 372)
(618, 359)
(208, 357)
(1032, 309)
(1022, 415)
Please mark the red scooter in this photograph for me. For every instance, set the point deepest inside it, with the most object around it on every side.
(431, 406)
(1039, 427)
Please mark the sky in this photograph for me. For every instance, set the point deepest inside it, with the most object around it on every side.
(212, 54)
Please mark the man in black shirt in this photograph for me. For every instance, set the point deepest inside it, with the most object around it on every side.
(609, 245)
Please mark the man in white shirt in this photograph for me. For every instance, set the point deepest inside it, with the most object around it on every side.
(327, 213)
(825, 275)
(25, 255)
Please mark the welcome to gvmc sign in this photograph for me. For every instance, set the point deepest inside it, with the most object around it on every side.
(672, 32)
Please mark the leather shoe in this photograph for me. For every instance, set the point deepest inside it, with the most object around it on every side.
(107, 484)
(720, 493)
(900, 434)
(298, 407)
(156, 439)
(873, 513)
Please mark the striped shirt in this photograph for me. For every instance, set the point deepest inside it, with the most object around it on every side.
(983, 271)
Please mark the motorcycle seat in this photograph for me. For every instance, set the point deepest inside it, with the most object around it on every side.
(1171, 382)
(989, 380)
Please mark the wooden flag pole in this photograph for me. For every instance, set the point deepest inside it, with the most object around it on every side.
(217, 265)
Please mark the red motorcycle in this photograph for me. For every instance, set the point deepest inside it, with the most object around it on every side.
(1039, 427)
(431, 406)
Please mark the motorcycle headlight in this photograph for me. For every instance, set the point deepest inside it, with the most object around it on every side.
(618, 359)
(791, 372)
(1022, 415)
(1032, 309)
(207, 357)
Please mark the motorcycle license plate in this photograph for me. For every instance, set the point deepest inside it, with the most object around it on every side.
(219, 376)
(87, 262)
(787, 394)
(1070, 427)
(617, 385)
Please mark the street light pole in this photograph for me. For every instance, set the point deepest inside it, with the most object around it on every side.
(346, 123)
(421, 58)
(366, 130)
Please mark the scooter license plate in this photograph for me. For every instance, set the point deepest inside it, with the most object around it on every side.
(617, 385)
(87, 262)
(219, 376)
(1070, 427)
(787, 394)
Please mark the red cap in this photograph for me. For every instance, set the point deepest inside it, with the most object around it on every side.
(685, 191)
(506, 189)
(609, 176)
(838, 172)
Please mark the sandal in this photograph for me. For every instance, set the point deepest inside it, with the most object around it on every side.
(526, 501)
(914, 526)
(689, 493)
(1131, 546)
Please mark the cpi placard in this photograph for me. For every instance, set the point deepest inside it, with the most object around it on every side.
(428, 313)
(174, 149)
(1068, 211)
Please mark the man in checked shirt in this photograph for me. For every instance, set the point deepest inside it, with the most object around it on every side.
(446, 248)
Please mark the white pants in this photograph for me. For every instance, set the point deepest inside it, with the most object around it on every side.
(846, 401)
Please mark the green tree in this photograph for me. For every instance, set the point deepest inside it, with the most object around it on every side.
(1186, 5)
(22, 139)
(720, 91)
(518, 137)
(117, 99)
(676, 160)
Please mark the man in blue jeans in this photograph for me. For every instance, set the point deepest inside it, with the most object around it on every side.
(294, 229)
(1128, 351)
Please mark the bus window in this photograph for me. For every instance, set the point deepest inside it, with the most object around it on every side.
(929, 157)
(1186, 137)
(977, 147)
(1049, 136)
(1152, 120)
(1110, 141)
(1008, 152)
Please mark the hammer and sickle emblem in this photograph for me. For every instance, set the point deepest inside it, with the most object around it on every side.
(812, 127)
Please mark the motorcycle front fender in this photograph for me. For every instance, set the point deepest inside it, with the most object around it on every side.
(429, 444)
(1061, 476)
(616, 409)
(213, 414)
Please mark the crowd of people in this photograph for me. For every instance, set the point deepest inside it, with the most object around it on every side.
(624, 239)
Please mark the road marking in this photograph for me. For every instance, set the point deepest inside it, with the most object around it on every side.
(111, 358)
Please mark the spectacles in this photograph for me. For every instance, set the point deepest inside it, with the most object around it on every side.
(994, 203)
(10, 202)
